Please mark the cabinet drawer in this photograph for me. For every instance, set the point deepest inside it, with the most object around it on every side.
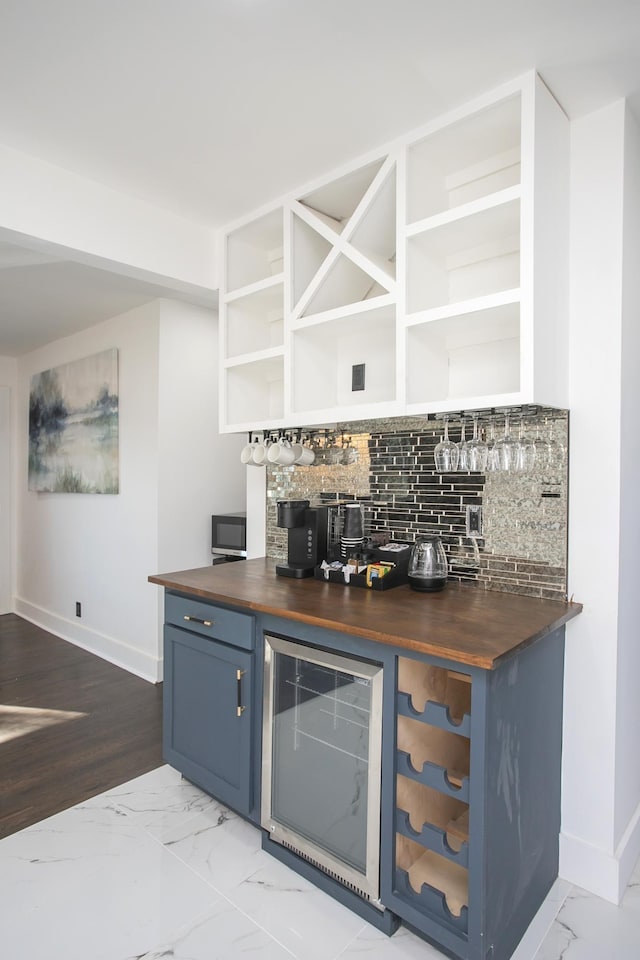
(209, 620)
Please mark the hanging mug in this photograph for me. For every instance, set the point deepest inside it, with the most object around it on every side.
(304, 456)
(246, 454)
(281, 453)
(260, 454)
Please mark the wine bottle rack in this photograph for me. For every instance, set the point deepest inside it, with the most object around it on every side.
(433, 751)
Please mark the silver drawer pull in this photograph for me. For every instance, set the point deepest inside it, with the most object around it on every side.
(240, 708)
(205, 623)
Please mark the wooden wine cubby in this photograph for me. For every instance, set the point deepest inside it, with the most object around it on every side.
(433, 750)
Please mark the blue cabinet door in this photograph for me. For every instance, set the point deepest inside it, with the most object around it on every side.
(207, 715)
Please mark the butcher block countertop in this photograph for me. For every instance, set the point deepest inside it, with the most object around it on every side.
(476, 627)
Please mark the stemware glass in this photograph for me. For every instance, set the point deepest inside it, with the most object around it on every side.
(542, 449)
(526, 452)
(555, 451)
(477, 451)
(446, 453)
(492, 455)
(333, 453)
(463, 449)
(507, 449)
(349, 452)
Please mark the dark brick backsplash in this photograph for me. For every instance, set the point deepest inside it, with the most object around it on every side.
(524, 544)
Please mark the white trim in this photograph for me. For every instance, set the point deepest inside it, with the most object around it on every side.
(141, 664)
(604, 874)
(628, 851)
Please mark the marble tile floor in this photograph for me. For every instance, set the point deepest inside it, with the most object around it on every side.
(157, 869)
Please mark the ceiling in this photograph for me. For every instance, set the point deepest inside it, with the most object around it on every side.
(210, 108)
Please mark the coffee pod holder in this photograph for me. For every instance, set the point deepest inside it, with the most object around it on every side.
(394, 557)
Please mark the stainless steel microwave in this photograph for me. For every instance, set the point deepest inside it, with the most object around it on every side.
(229, 534)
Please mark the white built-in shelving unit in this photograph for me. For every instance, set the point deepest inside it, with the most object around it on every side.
(440, 263)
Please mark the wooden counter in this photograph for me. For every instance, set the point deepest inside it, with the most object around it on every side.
(477, 627)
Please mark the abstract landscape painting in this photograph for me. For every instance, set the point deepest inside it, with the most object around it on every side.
(73, 427)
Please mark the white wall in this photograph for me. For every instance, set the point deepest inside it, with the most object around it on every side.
(98, 549)
(627, 793)
(199, 470)
(8, 373)
(601, 787)
(175, 471)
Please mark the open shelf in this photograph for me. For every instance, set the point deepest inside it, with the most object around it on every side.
(323, 356)
(343, 241)
(457, 829)
(254, 252)
(375, 235)
(335, 203)
(471, 355)
(343, 284)
(255, 391)
(438, 873)
(465, 257)
(425, 683)
(255, 322)
(310, 251)
(424, 805)
(472, 158)
(423, 743)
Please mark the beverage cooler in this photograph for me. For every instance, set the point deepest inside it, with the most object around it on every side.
(322, 736)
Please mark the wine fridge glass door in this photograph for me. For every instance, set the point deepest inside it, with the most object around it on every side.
(321, 760)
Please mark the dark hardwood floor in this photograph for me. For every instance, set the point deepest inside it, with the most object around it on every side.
(71, 725)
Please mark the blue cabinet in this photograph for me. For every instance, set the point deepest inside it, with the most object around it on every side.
(208, 692)
(476, 797)
(470, 786)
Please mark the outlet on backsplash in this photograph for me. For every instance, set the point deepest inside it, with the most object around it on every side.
(474, 520)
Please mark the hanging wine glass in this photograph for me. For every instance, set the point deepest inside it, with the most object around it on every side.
(526, 452)
(507, 449)
(555, 451)
(333, 452)
(463, 449)
(349, 452)
(446, 453)
(477, 451)
(542, 449)
(492, 455)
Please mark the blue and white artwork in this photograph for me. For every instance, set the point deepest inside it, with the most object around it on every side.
(73, 427)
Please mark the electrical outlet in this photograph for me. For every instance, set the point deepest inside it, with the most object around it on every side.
(357, 376)
(474, 520)
(78, 609)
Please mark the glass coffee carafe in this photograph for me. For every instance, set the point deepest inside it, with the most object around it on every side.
(428, 566)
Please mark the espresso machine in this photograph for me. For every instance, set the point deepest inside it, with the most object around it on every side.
(309, 535)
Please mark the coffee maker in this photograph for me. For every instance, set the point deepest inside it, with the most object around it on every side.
(308, 536)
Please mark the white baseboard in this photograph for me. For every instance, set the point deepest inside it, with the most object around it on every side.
(115, 651)
(597, 871)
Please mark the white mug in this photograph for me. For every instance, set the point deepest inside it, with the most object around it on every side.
(303, 455)
(281, 453)
(260, 454)
(246, 454)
